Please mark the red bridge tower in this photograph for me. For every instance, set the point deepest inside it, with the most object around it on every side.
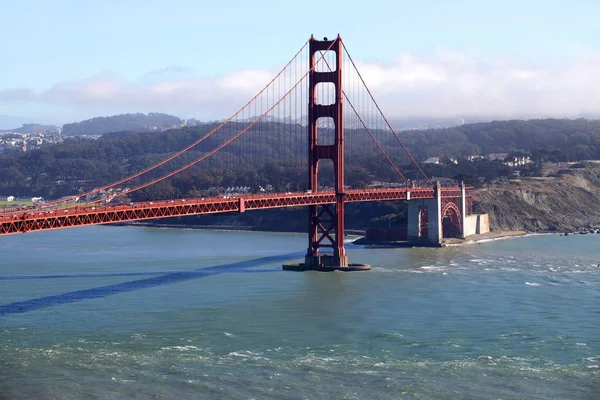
(326, 221)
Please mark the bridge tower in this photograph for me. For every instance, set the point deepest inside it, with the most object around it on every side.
(326, 221)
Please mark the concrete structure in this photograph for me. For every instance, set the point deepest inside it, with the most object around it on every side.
(429, 220)
(476, 224)
(433, 210)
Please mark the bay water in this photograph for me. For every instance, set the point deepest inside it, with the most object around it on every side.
(123, 312)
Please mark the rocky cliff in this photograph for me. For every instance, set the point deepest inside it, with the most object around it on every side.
(566, 200)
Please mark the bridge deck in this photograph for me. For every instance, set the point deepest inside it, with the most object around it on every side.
(38, 219)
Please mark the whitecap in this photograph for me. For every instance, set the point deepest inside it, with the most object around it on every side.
(383, 269)
(122, 380)
(236, 354)
(533, 284)
(433, 268)
(180, 348)
(478, 260)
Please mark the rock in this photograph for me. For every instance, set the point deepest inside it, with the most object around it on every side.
(568, 203)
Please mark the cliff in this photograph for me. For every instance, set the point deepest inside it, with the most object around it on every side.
(567, 199)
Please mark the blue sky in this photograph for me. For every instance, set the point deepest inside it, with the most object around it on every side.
(134, 42)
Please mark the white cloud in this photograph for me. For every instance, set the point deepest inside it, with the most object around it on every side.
(405, 72)
(452, 85)
(445, 84)
(251, 81)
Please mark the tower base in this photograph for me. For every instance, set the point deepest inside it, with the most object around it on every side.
(325, 263)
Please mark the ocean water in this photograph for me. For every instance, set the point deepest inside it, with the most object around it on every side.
(118, 313)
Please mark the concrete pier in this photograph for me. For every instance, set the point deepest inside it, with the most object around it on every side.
(434, 220)
(325, 263)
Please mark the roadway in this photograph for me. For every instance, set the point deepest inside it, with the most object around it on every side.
(38, 218)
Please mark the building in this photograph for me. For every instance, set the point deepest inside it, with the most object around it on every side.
(432, 160)
(497, 156)
(518, 161)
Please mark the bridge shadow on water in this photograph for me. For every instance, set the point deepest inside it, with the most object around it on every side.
(163, 278)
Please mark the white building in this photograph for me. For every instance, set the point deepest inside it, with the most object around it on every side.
(432, 160)
(518, 161)
(497, 156)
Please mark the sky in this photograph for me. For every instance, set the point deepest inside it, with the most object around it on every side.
(69, 60)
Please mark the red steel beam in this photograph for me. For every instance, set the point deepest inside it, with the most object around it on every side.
(39, 219)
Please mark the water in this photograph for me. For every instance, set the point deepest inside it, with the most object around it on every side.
(113, 313)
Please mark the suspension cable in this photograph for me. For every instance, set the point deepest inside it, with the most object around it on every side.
(384, 118)
(224, 144)
(177, 154)
(369, 131)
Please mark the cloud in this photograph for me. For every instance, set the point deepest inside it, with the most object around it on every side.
(444, 84)
(16, 95)
(452, 84)
(207, 98)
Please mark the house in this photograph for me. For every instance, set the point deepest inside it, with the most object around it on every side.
(518, 161)
(474, 157)
(497, 156)
(432, 160)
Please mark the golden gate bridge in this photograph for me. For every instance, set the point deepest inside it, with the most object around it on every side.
(314, 118)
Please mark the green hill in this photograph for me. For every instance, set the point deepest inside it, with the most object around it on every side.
(123, 122)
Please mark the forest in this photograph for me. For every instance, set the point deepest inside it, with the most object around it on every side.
(123, 122)
(78, 164)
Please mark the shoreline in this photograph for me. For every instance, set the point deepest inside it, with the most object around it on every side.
(490, 237)
(224, 228)
(454, 242)
(358, 234)
(503, 235)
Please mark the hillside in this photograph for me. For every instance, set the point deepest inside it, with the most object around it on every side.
(124, 122)
(556, 198)
(562, 139)
(33, 128)
(565, 200)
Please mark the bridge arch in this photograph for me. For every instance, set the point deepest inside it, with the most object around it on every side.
(451, 221)
(424, 223)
